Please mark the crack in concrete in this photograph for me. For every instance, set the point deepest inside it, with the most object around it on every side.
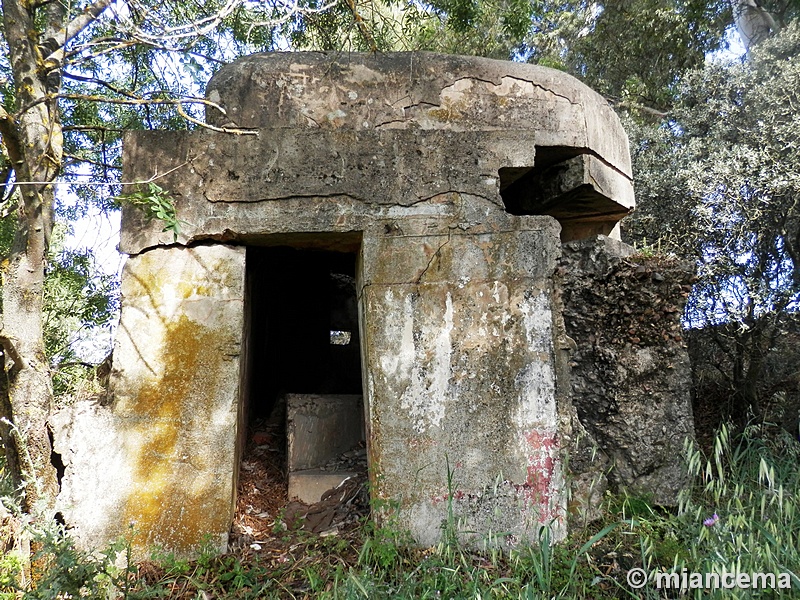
(611, 166)
(433, 258)
(513, 78)
(404, 108)
(458, 193)
(350, 196)
(422, 103)
(545, 89)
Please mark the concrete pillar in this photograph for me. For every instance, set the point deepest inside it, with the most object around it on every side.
(458, 341)
(163, 455)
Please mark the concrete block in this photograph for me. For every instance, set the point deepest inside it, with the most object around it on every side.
(461, 377)
(320, 427)
(309, 485)
(160, 461)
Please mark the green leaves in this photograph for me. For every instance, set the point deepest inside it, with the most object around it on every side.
(718, 183)
(750, 483)
(635, 50)
(156, 204)
(78, 298)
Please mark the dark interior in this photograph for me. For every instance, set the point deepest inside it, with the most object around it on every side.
(303, 329)
(555, 186)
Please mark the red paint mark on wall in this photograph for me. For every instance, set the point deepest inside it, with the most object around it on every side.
(456, 495)
(538, 488)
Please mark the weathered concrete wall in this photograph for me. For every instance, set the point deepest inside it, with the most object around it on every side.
(317, 182)
(630, 376)
(458, 345)
(159, 462)
(387, 129)
(416, 90)
(319, 428)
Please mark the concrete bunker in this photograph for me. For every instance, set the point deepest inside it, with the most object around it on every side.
(422, 171)
(561, 184)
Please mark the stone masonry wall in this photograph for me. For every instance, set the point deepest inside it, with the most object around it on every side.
(630, 380)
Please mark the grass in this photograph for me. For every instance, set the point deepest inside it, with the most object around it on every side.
(750, 482)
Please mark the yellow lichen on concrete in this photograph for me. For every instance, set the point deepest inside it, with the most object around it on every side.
(167, 508)
(177, 399)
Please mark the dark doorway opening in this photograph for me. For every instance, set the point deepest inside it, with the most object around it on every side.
(301, 341)
(304, 325)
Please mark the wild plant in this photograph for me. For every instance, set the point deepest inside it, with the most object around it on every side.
(743, 513)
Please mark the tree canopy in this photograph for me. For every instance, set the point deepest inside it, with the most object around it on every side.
(718, 182)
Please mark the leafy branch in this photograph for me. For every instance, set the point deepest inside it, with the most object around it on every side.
(156, 203)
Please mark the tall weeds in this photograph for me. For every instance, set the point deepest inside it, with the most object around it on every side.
(744, 505)
(741, 514)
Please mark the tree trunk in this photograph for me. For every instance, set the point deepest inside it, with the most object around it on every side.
(753, 21)
(33, 141)
(29, 384)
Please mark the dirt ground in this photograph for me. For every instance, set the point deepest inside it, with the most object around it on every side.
(266, 516)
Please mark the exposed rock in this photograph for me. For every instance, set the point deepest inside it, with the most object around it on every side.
(630, 375)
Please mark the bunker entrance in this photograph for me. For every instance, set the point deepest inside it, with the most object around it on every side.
(303, 409)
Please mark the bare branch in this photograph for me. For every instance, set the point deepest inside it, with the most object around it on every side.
(80, 159)
(155, 177)
(75, 363)
(73, 28)
(102, 128)
(134, 101)
(176, 102)
(170, 38)
(639, 107)
(10, 348)
(100, 82)
(193, 29)
(234, 130)
(362, 28)
(106, 49)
